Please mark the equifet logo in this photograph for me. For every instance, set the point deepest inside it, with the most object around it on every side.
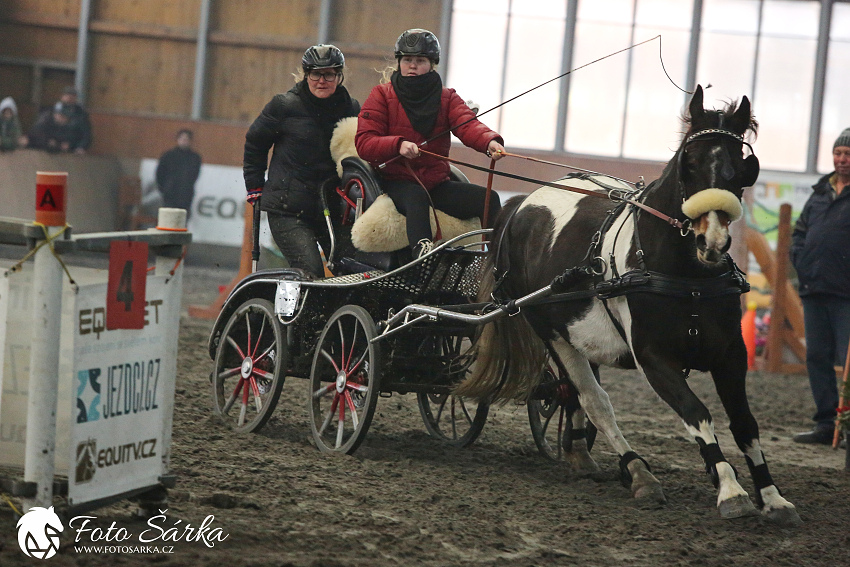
(38, 533)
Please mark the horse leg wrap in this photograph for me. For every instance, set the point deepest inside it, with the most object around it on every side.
(625, 475)
(761, 478)
(712, 455)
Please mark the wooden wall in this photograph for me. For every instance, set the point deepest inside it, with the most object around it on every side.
(141, 57)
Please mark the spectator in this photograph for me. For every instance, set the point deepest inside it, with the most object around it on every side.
(78, 121)
(177, 172)
(10, 126)
(51, 131)
(820, 252)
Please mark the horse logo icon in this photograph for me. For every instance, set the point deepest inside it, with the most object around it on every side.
(38, 533)
(85, 468)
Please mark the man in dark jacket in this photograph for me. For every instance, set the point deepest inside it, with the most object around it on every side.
(820, 252)
(177, 172)
(78, 120)
(297, 127)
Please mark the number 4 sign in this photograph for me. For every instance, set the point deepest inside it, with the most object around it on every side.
(125, 290)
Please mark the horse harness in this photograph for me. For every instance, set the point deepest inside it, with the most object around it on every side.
(638, 280)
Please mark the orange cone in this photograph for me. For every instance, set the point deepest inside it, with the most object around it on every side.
(748, 330)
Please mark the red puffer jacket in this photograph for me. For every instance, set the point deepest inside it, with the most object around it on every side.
(383, 125)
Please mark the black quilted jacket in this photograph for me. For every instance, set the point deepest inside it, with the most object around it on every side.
(301, 157)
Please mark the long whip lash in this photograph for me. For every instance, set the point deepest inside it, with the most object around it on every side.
(561, 76)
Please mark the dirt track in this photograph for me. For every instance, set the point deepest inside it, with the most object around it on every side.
(405, 499)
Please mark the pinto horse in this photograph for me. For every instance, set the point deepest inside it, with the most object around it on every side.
(636, 292)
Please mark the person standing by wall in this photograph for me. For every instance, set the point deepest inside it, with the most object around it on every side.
(78, 120)
(820, 252)
(177, 172)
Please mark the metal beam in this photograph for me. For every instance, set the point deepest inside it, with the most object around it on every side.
(628, 81)
(324, 22)
(445, 37)
(81, 76)
(816, 116)
(566, 66)
(198, 88)
(693, 49)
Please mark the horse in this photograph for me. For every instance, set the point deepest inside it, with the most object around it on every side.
(636, 292)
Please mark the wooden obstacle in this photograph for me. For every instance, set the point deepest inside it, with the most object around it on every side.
(787, 331)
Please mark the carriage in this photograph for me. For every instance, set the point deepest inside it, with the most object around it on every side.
(343, 335)
(570, 282)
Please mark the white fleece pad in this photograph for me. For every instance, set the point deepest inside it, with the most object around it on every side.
(712, 200)
(383, 229)
(342, 141)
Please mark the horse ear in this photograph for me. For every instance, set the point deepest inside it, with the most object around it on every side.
(743, 116)
(696, 110)
(751, 171)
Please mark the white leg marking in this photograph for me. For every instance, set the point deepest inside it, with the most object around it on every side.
(729, 487)
(769, 495)
(592, 397)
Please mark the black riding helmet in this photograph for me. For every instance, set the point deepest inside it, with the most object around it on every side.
(321, 57)
(418, 42)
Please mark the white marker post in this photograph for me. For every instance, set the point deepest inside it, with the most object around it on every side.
(44, 354)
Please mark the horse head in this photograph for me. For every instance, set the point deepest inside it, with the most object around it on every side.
(713, 172)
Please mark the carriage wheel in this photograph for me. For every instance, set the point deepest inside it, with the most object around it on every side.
(249, 367)
(344, 381)
(551, 420)
(453, 419)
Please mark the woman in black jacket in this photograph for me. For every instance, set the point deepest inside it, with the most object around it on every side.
(297, 127)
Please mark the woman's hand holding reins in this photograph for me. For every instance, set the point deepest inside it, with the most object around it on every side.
(409, 150)
(495, 150)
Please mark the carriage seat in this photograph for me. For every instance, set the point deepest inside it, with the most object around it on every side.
(379, 231)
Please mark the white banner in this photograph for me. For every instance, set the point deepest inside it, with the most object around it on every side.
(15, 334)
(123, 394)
(217, 215)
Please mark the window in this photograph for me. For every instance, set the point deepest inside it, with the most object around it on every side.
(836, 103)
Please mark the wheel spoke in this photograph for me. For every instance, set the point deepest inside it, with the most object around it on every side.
(265, 352)
(233, 396)
(229, 373)
(234, 345)
(351, 351)
(454, 419)
(324, 390)
(465, 411)
(330, 359)
(340, 429)
(248, 327)
(263, 374)
(241, 421)
(329, 416)
(359, 361)
(258, 401)
(259, 337)
(341, 342)
(359, 387)
(350, 403)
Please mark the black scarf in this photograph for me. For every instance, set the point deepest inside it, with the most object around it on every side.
(326, 111)
(420, 97)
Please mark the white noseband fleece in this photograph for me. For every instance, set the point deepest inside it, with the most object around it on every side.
(713, 200)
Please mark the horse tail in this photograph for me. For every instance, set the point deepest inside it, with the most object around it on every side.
(510, 356)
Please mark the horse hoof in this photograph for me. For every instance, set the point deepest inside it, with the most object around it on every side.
(785, 517)
(650, 493)
(737, 507)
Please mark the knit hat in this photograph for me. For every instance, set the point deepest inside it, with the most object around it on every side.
(843, 139)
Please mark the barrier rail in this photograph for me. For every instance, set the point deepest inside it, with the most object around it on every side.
(40, 480)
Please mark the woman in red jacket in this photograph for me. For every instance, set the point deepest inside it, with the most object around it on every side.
(400, 116)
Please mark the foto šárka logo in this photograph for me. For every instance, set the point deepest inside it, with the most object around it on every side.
(39, 529)
(38, 533)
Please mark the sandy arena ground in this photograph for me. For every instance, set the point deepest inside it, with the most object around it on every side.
(406, 499)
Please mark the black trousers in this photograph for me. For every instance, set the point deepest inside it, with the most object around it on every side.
(297, 239)
(461, 200)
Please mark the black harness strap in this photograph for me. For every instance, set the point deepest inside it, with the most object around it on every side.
(761, 478)
(625, 475)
